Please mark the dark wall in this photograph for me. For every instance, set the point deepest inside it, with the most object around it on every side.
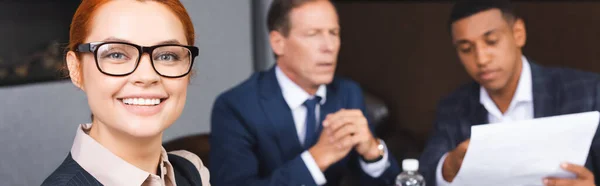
(33, 36)
(401, 52)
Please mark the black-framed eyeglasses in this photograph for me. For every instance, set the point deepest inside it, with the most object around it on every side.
(121, 58)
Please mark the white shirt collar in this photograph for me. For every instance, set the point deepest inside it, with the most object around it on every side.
(108, 168)
(292, 93)
(523, 94)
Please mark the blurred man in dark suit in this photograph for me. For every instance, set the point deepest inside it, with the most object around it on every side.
(297, 124)
(488, 37)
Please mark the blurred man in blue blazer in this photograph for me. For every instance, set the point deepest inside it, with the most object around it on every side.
(488, 38)
(297, 124)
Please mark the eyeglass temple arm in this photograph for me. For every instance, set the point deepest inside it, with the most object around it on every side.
(84, 48)
(195, 51)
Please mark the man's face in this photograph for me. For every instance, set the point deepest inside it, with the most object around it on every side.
(489, 48)
(308, 54)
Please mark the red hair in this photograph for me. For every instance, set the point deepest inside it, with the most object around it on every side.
(80, 25)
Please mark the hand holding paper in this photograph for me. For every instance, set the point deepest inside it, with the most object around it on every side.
(526, 152)
(454, 160)
(583, 177)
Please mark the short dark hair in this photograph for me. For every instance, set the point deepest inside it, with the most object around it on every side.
(278, 18)
(466, 8)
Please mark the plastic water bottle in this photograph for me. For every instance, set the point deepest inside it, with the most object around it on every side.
(410, 176)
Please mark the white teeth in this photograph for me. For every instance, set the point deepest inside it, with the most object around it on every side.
(140, 101)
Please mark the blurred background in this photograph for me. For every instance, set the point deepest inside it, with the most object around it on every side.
(398, 51)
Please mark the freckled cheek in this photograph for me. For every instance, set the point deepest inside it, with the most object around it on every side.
(177, 88)
(101, 93)
(100, 86)
(105, 92)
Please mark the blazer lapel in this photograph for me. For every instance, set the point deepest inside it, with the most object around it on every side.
(280, 116)
(544, 96)
(477, 114)
(332, 105)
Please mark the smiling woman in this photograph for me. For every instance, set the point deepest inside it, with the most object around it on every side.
(132, 58)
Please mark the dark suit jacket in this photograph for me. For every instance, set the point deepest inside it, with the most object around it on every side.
(71, 174)
(556, 91)
(254, 140)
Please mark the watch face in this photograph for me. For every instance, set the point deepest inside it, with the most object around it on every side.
(381, 148)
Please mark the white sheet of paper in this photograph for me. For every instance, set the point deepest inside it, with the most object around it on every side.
(525, 152)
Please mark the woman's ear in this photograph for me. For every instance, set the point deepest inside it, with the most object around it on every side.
(74, 66)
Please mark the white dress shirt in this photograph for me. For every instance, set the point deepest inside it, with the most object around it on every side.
(110, 169)
(520, 108)
(295, 97)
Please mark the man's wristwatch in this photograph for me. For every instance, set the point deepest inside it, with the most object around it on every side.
(381, 150)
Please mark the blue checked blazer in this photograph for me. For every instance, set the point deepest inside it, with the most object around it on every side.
(556, 91)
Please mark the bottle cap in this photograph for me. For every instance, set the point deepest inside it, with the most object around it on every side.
(410, 165)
